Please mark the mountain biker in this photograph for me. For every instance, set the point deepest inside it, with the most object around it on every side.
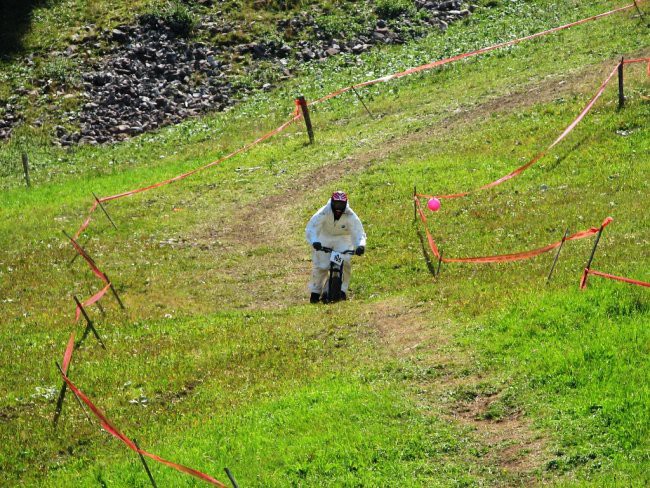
(335, 226)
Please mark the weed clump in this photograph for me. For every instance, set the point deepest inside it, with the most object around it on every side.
(280, 5)
(61, 71)
(175, 14)
(391, 9)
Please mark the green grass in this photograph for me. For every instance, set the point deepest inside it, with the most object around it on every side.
(337, 431)
(237, 370)
(579, 362)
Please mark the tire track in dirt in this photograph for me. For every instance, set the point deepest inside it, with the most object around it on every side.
(422, 343)
(517, 448)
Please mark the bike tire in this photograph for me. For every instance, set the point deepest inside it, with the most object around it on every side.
(334, 292)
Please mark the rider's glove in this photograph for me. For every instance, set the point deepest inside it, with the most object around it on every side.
(317, 245)
(360, 250)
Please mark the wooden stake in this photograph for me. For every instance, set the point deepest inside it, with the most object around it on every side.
(583, 280)
(415, 205)
(72, 240)
(439, 263)
(362, 102)
(232, 478)
(89, 324)
(77, 398)
(146, 466)
(557, 255)
(26, 170)
(305, 114)
(621, 94)
(593, 251)
(117, 297)
(105, 212)
(641, 14)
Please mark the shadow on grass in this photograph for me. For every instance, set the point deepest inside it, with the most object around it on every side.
(553, 165)
(427, 259)
(15, 20)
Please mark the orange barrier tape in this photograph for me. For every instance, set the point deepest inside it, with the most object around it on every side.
(67, 356)
(86, 222)
(636, 60)
(206, 166)
(639, 60)
(93, 299)
(93, 266)
(458, 57)
(541, 154)
(90, 261)
(108, 427)
(587, 108)
(505, 257)
(587, 272)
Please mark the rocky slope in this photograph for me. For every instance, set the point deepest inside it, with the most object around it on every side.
(159, 70)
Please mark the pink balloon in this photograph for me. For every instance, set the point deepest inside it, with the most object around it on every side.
(434, 204)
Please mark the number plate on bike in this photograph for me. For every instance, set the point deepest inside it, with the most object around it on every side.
(336, 258)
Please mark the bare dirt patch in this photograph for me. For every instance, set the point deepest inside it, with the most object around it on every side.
(402, 328)
(514, 445)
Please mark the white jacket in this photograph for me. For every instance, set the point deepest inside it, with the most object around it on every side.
(342, 234)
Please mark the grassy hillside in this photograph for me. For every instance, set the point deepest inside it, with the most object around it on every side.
(483, 376)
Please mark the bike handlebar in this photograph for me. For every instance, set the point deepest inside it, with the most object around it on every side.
(329, 249)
